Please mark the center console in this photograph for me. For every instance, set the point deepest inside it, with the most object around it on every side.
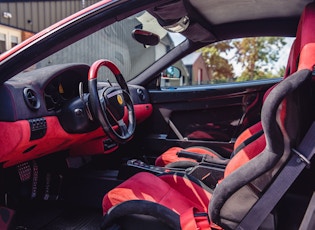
(208, 173)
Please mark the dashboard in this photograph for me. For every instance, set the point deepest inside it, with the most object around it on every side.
(41, 92)
(38, 114)
(62, 89)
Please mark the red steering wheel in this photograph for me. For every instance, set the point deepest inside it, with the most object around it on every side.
(110, 104)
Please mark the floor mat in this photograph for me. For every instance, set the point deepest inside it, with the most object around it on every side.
(51, 216)
(79, 220)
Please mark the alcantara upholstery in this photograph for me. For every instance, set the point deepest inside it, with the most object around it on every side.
(170, 155)
(246, 177)
(303, 37)
(183, 202)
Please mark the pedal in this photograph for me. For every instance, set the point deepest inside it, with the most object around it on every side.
(6, 217)
(24, 171)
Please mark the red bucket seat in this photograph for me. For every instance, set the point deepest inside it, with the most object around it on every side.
(182, 202)
(173, 158)
(170, 157)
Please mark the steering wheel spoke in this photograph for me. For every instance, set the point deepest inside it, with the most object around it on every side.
(113, 100)
(123, 127)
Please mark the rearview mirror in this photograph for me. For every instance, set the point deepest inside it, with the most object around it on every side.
(145, 37)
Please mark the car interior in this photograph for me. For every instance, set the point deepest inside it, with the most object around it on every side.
(223, 209)
(83, 146)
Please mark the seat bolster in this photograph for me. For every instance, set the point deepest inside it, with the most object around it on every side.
(245, 155)
(146, 186)
(197, 192)
(141, 186)
(247, 134)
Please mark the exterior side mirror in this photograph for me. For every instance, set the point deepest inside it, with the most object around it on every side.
(173, 72)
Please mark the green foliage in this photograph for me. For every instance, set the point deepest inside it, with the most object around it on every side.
(254, 55)
(219, 68)
(281, 71)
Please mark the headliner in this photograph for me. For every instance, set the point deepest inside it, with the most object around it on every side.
(214, 20)
(225, 11)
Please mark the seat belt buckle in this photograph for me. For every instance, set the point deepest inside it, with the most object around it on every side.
(302, 158)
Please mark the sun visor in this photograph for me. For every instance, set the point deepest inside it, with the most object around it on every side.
(197, 33)
(171, 17)
(150, 24)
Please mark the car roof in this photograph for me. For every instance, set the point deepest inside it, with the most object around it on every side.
(225, 11)
(214, 20)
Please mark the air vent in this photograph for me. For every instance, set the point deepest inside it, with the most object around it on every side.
(141, 94)
(31, 99)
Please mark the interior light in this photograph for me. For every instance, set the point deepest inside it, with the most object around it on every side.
(179, 26)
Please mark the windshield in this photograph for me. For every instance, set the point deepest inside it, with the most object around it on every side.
(115, 43)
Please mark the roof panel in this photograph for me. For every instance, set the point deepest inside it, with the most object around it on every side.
(225, 11)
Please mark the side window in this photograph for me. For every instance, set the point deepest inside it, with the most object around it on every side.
(9, 37)
(230, 61)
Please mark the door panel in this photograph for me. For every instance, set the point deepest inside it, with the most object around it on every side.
(212, 116)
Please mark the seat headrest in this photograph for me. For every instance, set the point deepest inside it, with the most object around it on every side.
(305, 38)
(305, 35)
(305, 32)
